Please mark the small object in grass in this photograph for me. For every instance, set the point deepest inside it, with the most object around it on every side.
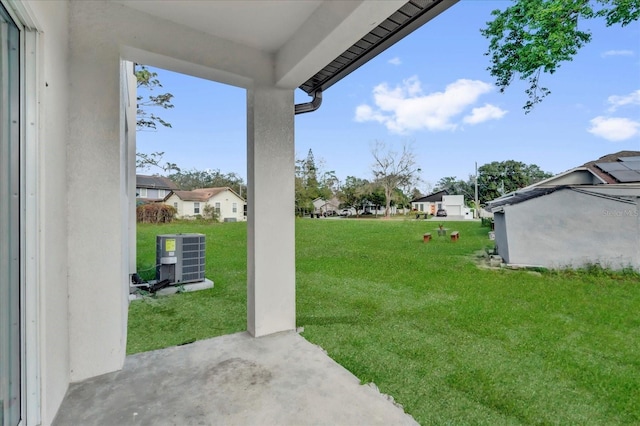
(455, 235)
(426, 237)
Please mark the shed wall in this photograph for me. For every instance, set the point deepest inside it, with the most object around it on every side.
(571, 229)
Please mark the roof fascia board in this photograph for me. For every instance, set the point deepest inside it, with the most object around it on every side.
(547, 181)
(330, 30)
(436, 7)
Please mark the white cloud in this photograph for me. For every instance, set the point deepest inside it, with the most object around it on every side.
(405, 108)
(632, 98)
(614, 128)
(617, 53)
(485, 113)
(395, 61)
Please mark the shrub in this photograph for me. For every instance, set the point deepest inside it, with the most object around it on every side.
(155, 213)
(209, 212)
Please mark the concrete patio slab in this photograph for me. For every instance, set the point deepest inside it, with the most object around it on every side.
(280, 379)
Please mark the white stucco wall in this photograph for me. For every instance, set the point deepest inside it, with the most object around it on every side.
(453, 204)
(226, 200)
(98, 240)
(51, 177)
(571, 229)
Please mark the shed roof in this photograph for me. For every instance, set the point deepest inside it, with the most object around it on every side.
(519, 197)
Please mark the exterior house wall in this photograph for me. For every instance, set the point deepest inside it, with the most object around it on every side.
(500, 231)
(226, 200)
(426, 206)
(570, 229)
(97, 265)
(152, 193)
(52, 189)
(175, 201)
(577, 177)
(453, 204)
(185, 208)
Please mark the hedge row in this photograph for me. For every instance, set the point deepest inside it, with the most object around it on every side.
(155, 213)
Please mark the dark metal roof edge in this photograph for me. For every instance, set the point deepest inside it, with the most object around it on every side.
(413, 24)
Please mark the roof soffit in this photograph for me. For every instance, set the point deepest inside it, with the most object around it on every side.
(283, 42)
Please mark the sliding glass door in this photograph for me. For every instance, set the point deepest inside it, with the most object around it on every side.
(10, 298)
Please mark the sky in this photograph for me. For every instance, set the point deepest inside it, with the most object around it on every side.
(432, 92)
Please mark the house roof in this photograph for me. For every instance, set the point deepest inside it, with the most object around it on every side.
(624, 160)
(202, 194)
(431, 198)
(630, 173)
(519, 197)
(156, 182)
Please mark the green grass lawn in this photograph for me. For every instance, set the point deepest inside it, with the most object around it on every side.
(452, 342)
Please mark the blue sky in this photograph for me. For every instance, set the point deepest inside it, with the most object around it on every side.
(433, 92)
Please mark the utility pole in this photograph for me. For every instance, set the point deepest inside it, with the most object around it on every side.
(477, 211)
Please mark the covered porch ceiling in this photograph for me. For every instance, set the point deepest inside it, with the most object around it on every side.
(313, 43)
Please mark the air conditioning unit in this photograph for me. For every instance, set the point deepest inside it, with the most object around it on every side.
(180, 258)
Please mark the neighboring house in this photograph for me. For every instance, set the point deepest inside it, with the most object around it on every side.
(321, 205)
(593, 220)
(153, 188)
(229, 206)
(69, 122)
(453, 204)
(429, 203)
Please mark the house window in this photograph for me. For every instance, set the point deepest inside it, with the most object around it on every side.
(161, 193)
(217, 208)
(10, 223)
(421, 207)
(142, 192)
(175, 205)
(196, 208)
(235, 207)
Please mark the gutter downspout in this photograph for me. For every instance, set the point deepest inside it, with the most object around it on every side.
(310, 106)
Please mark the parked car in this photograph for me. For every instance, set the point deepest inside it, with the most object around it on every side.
(441, 213)
(345, 212)
(330, 213)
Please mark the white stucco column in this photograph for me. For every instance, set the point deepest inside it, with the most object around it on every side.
(98, 205)
(271, 228)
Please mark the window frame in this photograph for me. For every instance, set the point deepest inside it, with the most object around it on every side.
(30, 58)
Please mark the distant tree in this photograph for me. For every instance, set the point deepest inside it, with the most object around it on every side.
(212, 178)
(415, 193)
(329, 184)
(393, 170)
(532, 37)
(455, 186)
(354, 192)
(147, 161)
(311, 183)
(501, 177)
